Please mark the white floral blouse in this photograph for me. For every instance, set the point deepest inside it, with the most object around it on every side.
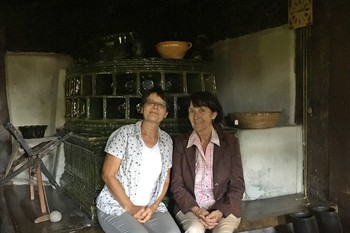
(125, 143)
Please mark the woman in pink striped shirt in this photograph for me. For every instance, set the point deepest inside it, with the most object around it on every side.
(207, 177)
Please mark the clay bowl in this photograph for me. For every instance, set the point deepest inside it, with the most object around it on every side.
(173, 49)
(255, 120)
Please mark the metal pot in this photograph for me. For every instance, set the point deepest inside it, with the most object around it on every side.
(113, 47)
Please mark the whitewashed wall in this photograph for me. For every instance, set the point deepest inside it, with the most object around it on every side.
(255, 72)
(35, 89)
(272, 161)
(35, 93)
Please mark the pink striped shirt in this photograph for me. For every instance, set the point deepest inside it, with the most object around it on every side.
(203, 187)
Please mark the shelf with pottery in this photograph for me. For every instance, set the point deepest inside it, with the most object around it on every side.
(96, 92)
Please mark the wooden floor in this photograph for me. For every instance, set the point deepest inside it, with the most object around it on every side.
(15, 219)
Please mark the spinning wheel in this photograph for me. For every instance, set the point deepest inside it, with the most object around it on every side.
(32, 159)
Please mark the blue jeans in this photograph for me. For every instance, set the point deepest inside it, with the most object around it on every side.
(125, 223)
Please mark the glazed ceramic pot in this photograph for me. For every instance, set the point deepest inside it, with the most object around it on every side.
(304, 222)
(327, 219)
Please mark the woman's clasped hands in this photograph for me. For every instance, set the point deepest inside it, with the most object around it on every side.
(141, 213)
(209, 219)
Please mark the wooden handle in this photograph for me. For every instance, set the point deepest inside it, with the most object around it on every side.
(31, 185)
(41, 190)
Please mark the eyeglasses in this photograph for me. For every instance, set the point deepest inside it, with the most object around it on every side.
(155, 104)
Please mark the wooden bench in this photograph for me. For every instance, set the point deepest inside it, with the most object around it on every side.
(257, 214)
(271, 212)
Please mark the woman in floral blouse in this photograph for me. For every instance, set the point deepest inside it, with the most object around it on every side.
(136, 173)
